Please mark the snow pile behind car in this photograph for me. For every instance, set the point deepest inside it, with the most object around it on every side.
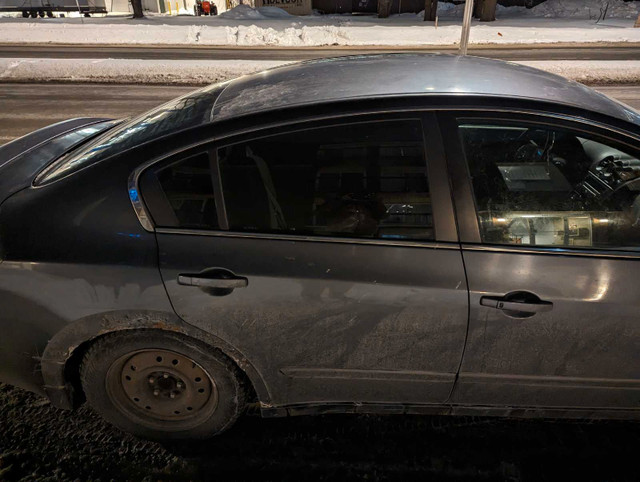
(575, 9)
(245, 12)
(592, 9)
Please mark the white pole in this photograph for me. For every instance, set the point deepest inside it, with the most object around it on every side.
(466, 27)
(80, 12)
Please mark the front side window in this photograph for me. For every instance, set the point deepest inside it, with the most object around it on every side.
(364, 180)
(539, 185)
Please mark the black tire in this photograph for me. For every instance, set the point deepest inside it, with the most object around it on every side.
(25, 14)
(118, 372)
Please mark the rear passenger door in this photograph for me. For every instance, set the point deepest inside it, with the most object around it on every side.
(549, 216)
(325, 253)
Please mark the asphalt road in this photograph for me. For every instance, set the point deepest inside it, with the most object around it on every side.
(26, 107)
(541, 52)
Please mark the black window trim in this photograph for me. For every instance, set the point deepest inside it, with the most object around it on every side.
(443, 214)
(462, 188)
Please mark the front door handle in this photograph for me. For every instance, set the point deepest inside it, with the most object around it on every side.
(507, 303)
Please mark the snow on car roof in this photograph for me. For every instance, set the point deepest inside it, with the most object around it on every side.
(379, 75)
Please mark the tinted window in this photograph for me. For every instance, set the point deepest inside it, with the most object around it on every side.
(544, 186)
(367, 180)
(187, 186)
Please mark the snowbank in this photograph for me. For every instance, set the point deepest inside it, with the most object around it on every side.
(312, 31)
(586, 9)
(125, 71)
(568, 9)
(245, 12)
(591, 72)
(242, 12)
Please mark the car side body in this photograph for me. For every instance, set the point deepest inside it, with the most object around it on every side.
(399, 322)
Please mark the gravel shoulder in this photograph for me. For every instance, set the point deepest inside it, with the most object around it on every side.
(39, 442)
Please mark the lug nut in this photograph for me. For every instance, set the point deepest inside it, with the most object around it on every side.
(166, 375)
(152, 380)
(156, 392)
(172, 395)
(179, 385)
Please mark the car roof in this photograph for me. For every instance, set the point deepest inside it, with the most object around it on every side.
(389, 75)
(323, 81)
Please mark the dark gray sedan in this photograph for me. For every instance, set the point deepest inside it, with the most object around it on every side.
(385, 233)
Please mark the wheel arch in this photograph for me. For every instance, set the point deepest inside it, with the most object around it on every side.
(61, 358)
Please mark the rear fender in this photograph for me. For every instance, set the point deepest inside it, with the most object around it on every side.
(69, 343)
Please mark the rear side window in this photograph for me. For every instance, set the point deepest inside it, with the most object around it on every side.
(182, 194)
(365, 180)
(540, 185)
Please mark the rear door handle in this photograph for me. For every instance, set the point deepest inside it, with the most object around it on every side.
(232, 283)
(213, 278)
(500, 303)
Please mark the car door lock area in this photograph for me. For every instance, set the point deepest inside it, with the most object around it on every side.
(517, 304)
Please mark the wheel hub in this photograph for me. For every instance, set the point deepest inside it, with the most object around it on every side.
(166, 385)
(163, 385)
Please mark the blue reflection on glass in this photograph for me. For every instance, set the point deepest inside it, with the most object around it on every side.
(133, 195)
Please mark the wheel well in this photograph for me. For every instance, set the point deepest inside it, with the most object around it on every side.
(74, 362)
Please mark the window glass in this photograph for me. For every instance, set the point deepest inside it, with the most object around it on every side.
(367, 180)
(191, 110)
(188, 188)
(546, 186)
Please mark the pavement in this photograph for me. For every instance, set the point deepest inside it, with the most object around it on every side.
(26, 107)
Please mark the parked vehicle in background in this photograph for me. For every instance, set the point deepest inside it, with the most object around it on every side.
(204, 7)
(460, 236)
(40, 8)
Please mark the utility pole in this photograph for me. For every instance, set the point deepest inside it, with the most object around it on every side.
(466, 27)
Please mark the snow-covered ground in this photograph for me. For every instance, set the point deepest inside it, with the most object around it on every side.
(555, 21)
(129, 70)
(209, 71)
(336, 30)
(586, 9)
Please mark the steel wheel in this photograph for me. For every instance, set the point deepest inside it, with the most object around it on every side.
(162, 385)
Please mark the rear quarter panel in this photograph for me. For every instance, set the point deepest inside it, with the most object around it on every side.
(70, 250)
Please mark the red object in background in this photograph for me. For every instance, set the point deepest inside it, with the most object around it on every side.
(206, 7)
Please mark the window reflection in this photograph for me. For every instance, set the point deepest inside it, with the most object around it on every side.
(360, 180)
(188, 111)
(542, 186)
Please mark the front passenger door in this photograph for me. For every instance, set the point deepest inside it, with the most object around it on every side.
(549, 216)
